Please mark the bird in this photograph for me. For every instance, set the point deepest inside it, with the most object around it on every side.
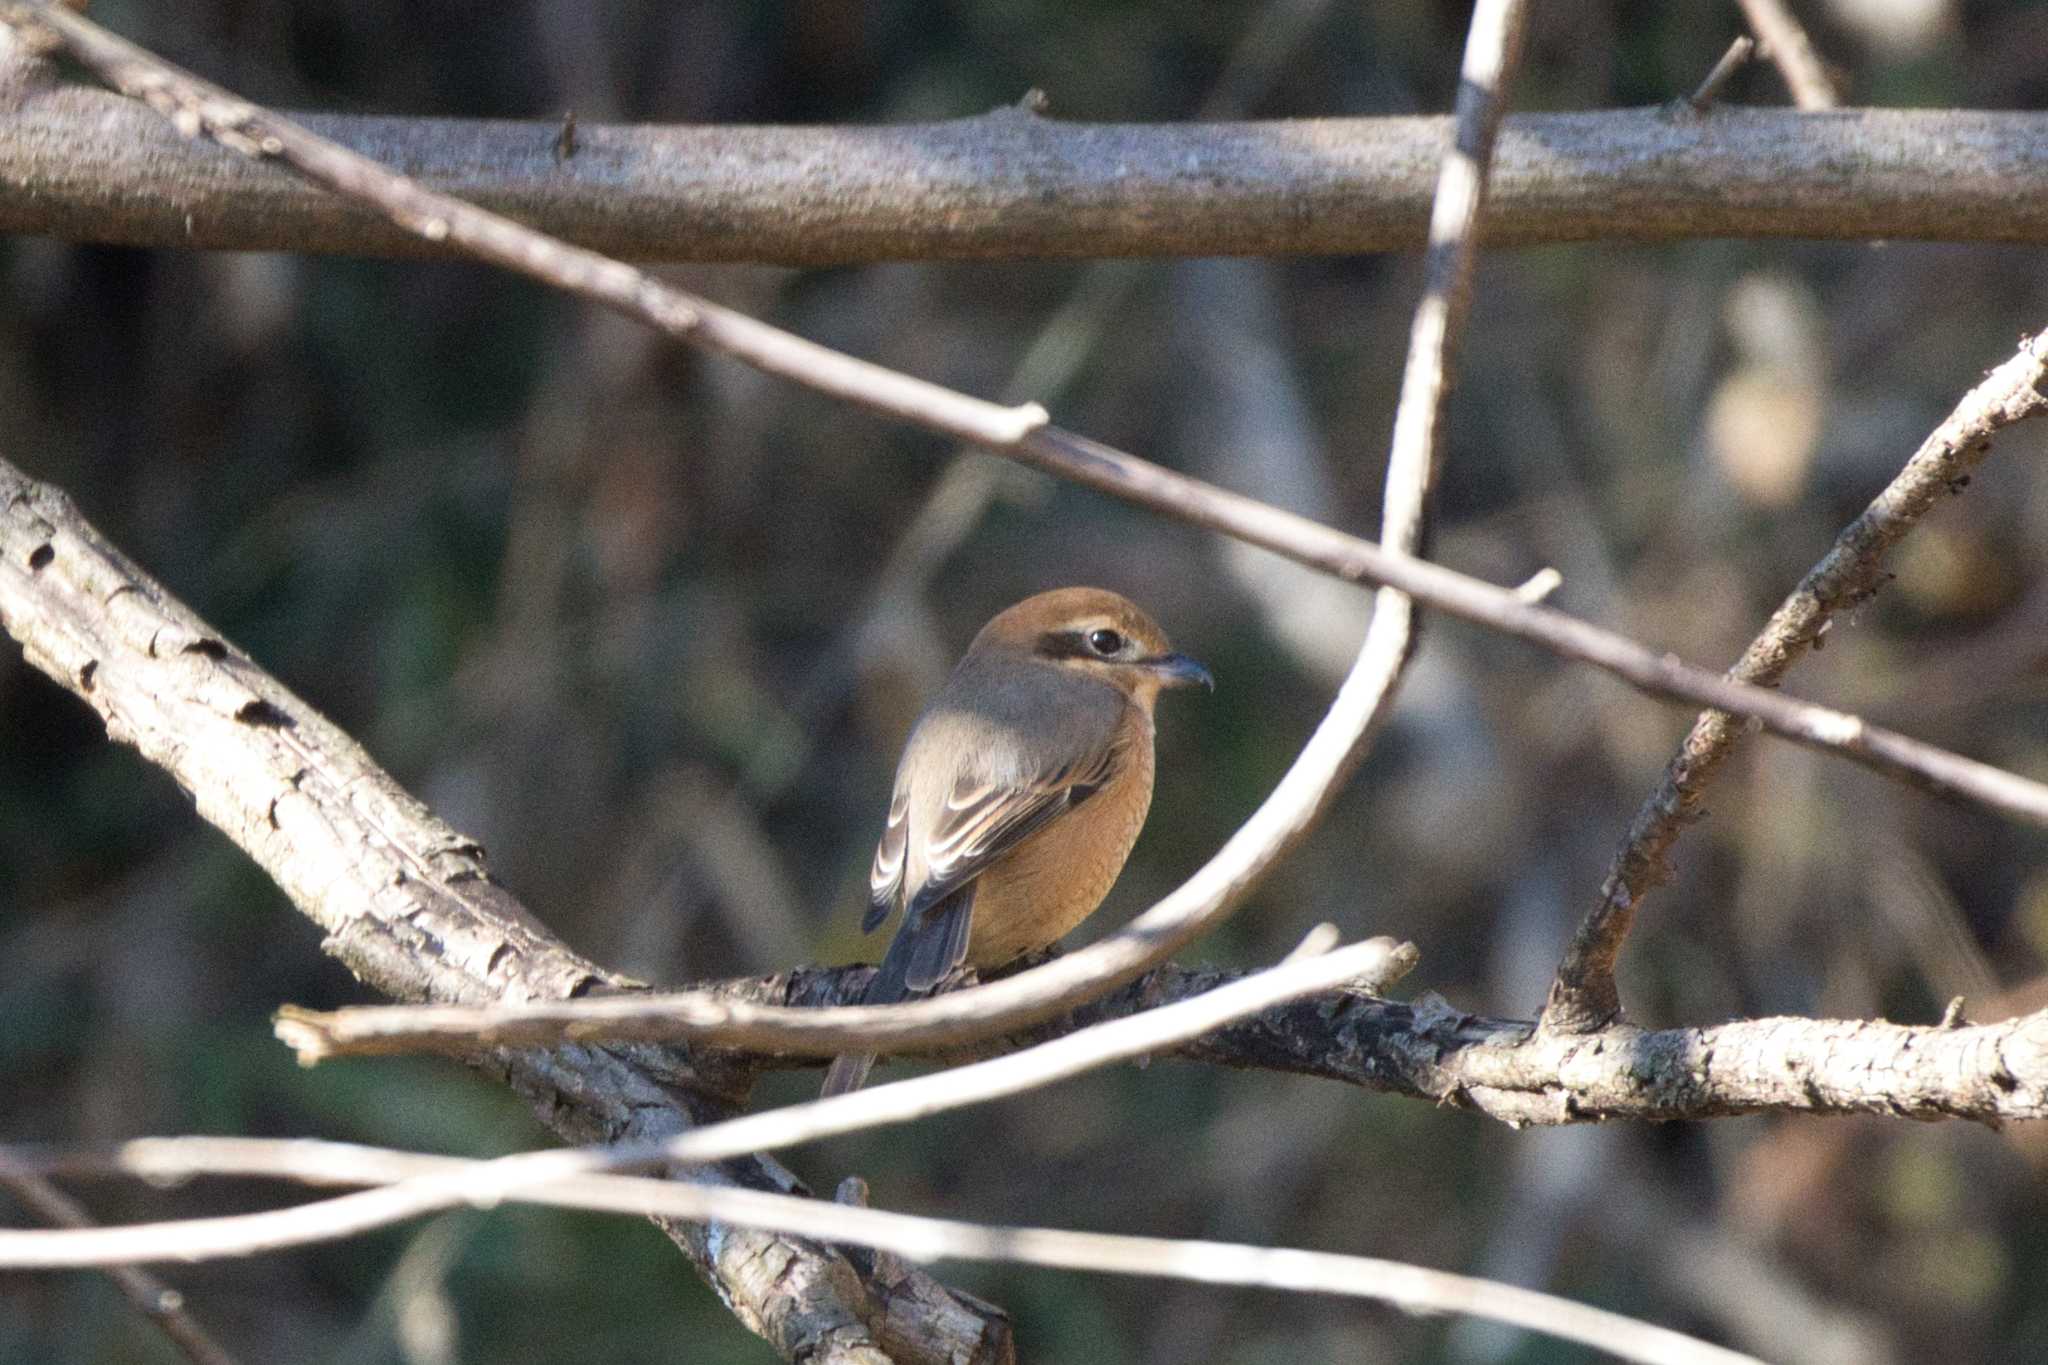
(1020, 791)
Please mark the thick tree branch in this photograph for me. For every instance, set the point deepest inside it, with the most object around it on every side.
(1505, 1069)
(87, 165)
(1427, 1050)
(409, 906)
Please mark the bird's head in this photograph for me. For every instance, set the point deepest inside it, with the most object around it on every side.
(1096, 633)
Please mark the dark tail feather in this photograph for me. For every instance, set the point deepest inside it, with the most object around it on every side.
(921, 957)
(938, 946)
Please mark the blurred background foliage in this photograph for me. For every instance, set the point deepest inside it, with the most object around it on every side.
(653, 627)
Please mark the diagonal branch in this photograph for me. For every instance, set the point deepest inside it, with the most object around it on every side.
(409, 905)
(1584, 995)
(151, 1297)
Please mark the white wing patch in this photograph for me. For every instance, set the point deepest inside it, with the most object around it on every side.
(885, 878)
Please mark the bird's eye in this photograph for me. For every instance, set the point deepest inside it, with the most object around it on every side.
(1105, 641)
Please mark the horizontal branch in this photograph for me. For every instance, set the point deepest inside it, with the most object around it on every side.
(1499, 1067)
(1506, 1070)
(86, 165)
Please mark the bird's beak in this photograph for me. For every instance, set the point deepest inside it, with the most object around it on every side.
(1178, 670)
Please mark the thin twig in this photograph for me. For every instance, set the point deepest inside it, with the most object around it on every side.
(1733, 60)
(1493, 46)
(1787, 47)
(1584, 996)
(1412, 1288)
(710, 1017)
(162, 1305)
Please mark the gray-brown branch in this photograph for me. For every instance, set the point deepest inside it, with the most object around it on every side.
(1502, 1068)
(87, 165)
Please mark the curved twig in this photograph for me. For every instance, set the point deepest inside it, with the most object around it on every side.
(1493, 48)
(1415, 1289)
